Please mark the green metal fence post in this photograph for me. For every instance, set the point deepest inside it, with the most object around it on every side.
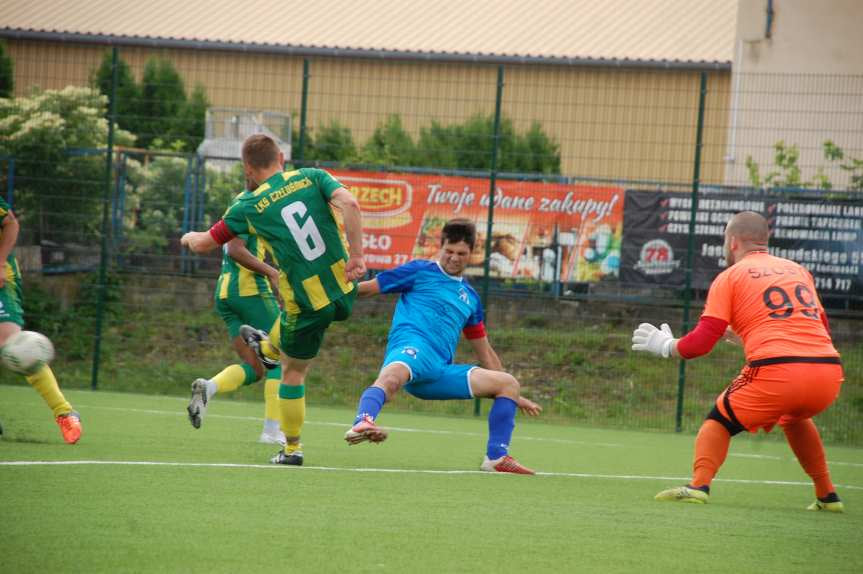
(304, 106)
(491, 189)
(690, 255)
(106, 198)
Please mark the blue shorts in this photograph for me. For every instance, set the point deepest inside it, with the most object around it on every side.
(432, 378)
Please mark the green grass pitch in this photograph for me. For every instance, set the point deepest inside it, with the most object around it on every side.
(206, 501)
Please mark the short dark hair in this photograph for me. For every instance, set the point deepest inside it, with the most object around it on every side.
(457, 230)
(260, 151)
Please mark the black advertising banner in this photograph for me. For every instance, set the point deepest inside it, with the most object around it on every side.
(826, 236)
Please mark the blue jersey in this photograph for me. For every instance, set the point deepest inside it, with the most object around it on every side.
(433, 308)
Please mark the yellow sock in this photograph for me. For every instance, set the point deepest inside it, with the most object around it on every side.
(46, 385)
(292, 404)
(233, 377)
(270, 346)
(271, 400)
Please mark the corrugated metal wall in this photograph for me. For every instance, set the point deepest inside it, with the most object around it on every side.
(636, 124)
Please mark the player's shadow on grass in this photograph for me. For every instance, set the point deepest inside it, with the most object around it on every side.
(24, 439)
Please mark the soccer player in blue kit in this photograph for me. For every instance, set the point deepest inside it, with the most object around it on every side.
(437, 305)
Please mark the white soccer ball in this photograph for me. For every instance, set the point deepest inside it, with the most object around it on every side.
(26, 352)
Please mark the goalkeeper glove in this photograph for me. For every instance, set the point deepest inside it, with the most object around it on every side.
(657, 341)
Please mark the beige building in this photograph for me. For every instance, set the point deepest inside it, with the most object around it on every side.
(614, 82)
(798, 78)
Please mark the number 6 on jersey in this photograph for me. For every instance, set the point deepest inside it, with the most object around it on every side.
(306, 235)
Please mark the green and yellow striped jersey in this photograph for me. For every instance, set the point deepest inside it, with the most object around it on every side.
(290, 216)
(237, 281)
(12, 273)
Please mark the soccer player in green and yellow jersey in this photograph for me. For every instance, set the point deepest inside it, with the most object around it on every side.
(11, 321)
(244, 296)
(295, 214)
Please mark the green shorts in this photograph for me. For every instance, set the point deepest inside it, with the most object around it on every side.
(10, 296)
(300, 336)
(259, 311)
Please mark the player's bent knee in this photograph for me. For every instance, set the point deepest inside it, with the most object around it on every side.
(488, 383)
(389, 383)
(509, 386)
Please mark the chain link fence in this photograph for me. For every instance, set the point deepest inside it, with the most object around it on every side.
(600, 196)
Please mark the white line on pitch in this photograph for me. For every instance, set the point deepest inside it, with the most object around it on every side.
(770, 457)
(345, 426)
(764, 456)
(396, 471)
(440, 432)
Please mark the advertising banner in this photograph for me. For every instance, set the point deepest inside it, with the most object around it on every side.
(826, 236)
(541, 230)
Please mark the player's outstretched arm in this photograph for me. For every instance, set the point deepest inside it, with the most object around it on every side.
(205, 241)
(369, 288)
(7, 242)
(528, 407)
(238, 251)
(698, 342)
(485, 354)
(345, 201)
(659, 342)
(198, 241)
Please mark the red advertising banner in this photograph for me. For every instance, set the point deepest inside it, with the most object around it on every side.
(541, 230)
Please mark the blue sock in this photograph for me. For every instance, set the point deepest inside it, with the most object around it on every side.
(371, 403)
(501, 421)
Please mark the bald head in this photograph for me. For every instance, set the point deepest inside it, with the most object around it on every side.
(750, 227)
(747, 231)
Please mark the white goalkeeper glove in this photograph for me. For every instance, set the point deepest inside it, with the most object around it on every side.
(657, 341)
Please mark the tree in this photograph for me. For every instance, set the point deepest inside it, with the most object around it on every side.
(222, 188)
(157, 202)
(334, 142)
(192, 119)
(852, 165)
(786, 173)
(389, 145)
(308, 144)
(469, 146)
(436, 145)
(474, 139)
(158, 108)
(58, 183)
(163, 98)
(465, 146)
(536, 152)
(7, 73)
(128, 95)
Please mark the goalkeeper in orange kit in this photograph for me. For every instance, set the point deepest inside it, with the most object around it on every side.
(792, 371)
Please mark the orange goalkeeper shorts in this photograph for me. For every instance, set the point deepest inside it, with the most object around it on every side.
(762, 396)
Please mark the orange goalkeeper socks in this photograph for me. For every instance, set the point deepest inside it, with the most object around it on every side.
(805, 441)
(711, 448)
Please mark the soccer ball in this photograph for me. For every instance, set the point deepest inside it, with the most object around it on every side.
(26, 352)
